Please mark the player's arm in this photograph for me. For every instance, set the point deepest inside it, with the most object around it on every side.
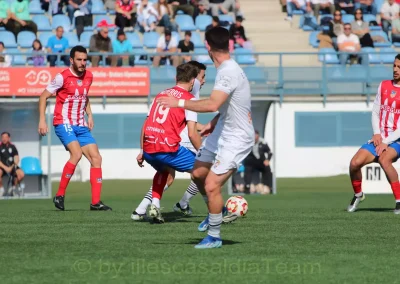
(194, 136)
(209, 127)
(4, 167)
(90, 115)
(376, 138)
(140, 158)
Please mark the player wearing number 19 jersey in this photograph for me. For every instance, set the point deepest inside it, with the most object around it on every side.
(71, 88)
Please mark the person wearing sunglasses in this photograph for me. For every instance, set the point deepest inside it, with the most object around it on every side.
(348, 45)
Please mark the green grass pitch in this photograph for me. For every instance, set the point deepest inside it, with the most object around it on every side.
(300, 235)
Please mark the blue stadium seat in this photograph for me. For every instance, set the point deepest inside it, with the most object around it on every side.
(8, 39)
(42, 23)
(298, 12)
(185, 23)
(387, 58)
(243, 56)
(328, 55)
(25, 39)
(313, 40)
(386, 43)
(163, 74)
(44, 37)
(226, 18)
(134, 40)
(98, 8)
(35, 7)
(201, 51)
(196, 39)
(325, 16)
(379, 4)
(72, 39)
(99, 18)
(138, 52)
(17, 60)
(305, 27)
(31, 166)
(85, 38)
(347, 19)
(368, 18)
(61, 20)
(255, 74)
(112, 35)
(176, 35)
(202, 21)
(150, 39)
(373, 56)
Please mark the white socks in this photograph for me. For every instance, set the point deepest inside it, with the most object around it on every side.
(142, 208)
(156, 202)
(214, 228)
(189, 193)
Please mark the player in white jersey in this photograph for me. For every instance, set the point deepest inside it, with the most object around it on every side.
(232, 134)
(140, 212)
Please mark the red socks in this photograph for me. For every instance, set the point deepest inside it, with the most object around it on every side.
(396, 189)
(159, 182)
(67, 173)
(96, 179)
(356, 186)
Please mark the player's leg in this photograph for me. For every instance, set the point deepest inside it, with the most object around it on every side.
(159, 182)
(364, 156)
(183, 204)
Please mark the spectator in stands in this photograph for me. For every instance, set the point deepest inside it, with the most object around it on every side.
(120, 46)
(38, 52)
(125, 16)
(202, 8)
(166, 43)
(350, 45)
(335, 28)
(225, 6)
(20, 14)
(389, 12)
(5, 59)
(292, 5)
(55, 5)
(361, 29)
(367, 7)
(258, 160)
(84, 6)
(345, 5)
(5, 18)
(165, 14)
(147, 16)
(325, 6)
(396, 30)
(9, 160)
(83, 18)
(214, 23)
(186, 46)
(58, 44)
(183, 5)
(100, 42)
(237, 34)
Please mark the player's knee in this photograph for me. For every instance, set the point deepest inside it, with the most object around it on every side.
(96, 160)
(211, 187)
(356, 163)
(76, 156)
(21, 175)
(385, 162)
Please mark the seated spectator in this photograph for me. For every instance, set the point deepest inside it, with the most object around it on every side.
(293, 5)
(186, 46)
(238, 36)
(350, 45)
(5, 59)
(147, 16)
(325, 6)
(258, 160)
(345, 5)
(5, 18)
(396, 30)
(166, 43)
(125, 16)
(165, 14)
(100, 42)
(214, 23)
(109, 4)
(122, 45)
(56, 6)
(328, 38)
(9, 160)
(361, 29)
(389, 12)
(367, 7)
(38, 52)
(58, 44)
(225, 6)
(20, 14)
(182, 5)
(202, 8)
(83, 18)
(85, 6)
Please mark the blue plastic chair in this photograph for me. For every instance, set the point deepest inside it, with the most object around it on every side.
(150, 39)
(31, 166)
(373, 56)
(138, 52)
(305, 27)
(134, 40)
(255, 74)
(72, 39)
(387, 58)
(325, 16)
(44, 37)
(313, 40)
(112, 35)
(202, 21)
(196, 39)
(85, 38)
(226, 18)
(328, 55)
(185, 23)
(243, 58)
(386, 43)
(25, 39)
(17, 60)
(42, 23)
(347, 19)
(98, 8)
(8, 39)
(35, 7)
(61, 20)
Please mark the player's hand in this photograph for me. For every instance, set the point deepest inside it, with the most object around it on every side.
(376, 139)
(207, 130)
(381, 148)
(168, 102)
(266, 163)
(90, 122)
(43, 129)
(140, 160)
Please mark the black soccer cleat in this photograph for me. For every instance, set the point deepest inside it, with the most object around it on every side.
(397, 209)
(59, 202)
(187, 211)
(100, 207)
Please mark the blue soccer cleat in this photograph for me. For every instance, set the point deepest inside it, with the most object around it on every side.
(224, 211)
(203, 225)
(209, 242)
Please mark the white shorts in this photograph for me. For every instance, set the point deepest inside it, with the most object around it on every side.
(224, 160)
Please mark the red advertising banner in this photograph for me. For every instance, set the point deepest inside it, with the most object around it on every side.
(117, 82)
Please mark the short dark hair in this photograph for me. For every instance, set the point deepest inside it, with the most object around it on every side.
(397, 57)
(347, 24)
(77, 48)
(186, 72)
(199, 65)
(189, 33)
(218, 39)
(2, 43)
(215, 19)
(40, 44)
(5, 132)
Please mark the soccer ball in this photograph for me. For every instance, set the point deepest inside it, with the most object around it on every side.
(237, 205)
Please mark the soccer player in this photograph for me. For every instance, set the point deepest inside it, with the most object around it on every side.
(232, 132)
(140, 211)
(71, 87)
(160, 136)
(384, 147)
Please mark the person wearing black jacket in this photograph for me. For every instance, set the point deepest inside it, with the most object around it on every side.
(258, 160)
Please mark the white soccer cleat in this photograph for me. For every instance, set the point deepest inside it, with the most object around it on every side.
(397, 209)
(355, 202)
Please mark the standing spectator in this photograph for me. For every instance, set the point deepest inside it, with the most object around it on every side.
(166, 43)
(345, 5)
(5, 59)
(147, 16)
(125, 16)
(349, 44)
(225, 6)
(38, 52)
(303, 5)
(85, 6)
(165, 14)
(20, 13)
(83, 18)
(100, 42)
(56, 6)
(186, 46)
(183, 5)
(367, 7)
(389, 12)
(361, 29)
(237, 34)
(58, 44)
(258, 160)
(122, 45)
(325, 6)
(396, 30)
(214, 23)
(202, 8)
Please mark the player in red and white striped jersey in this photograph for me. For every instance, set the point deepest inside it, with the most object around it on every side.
(384, 146)
(71, 88)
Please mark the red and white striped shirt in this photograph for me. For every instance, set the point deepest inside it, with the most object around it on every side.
(72, 97)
